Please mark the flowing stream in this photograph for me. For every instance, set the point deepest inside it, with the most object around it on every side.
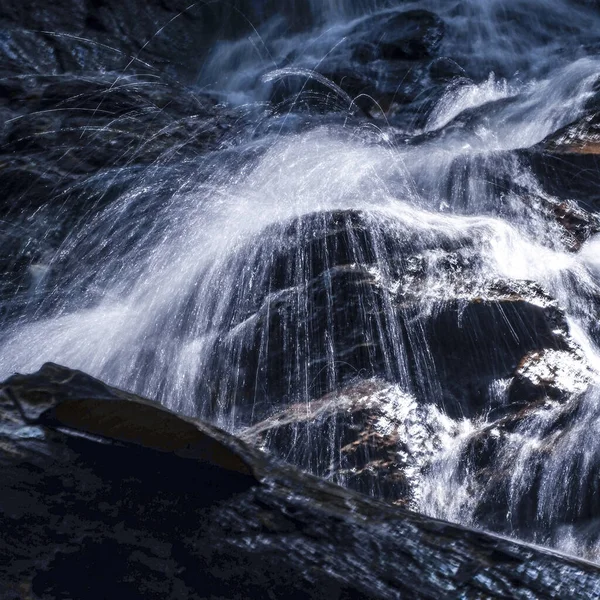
(171, 289)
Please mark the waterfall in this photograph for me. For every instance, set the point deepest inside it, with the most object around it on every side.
(337, 236)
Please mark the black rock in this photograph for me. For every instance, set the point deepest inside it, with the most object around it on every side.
(407, 35)
(346, 296)
(355, 437)
(99, 517)
(383, 63)
(87, 35)
(568, 162)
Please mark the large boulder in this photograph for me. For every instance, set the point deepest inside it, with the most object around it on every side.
(369, 436)
(533, 473)
(568, 162)
(398, 35)
(346, 295)
(111, 513)
(386, 59)
(509, 459)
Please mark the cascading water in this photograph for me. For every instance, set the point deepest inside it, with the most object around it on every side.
(324, 246)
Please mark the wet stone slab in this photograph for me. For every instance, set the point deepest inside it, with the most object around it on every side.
(104, 514)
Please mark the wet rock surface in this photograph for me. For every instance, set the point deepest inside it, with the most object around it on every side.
(582, 137)
(374, 437)
(501, 351)
(386, 60)
(356, 297)
(93, 517)
(369, 436)
(94, 97)
(71, 130)
(567, 162)
(408, 35)
(74, 35)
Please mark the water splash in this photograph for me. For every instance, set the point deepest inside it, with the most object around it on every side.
(264, 271)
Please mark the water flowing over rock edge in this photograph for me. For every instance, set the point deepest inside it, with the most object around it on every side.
(465, 107)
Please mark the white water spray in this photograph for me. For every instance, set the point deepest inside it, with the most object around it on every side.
(204, 297)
